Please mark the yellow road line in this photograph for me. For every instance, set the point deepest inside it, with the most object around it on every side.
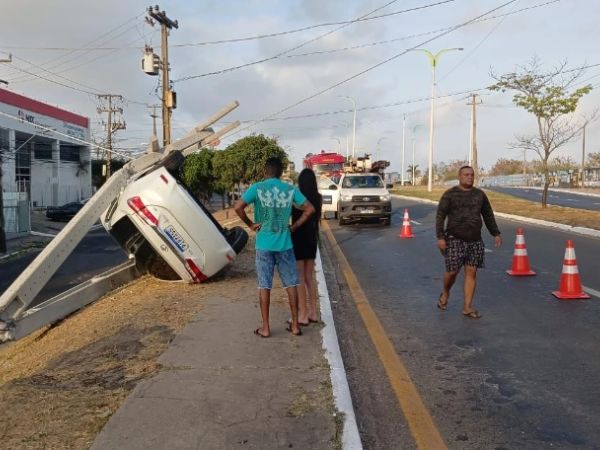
(422, 426)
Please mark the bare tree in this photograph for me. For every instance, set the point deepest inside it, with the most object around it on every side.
(552, 98)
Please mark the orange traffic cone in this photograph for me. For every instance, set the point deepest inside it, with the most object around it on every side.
(520, 261)
(570, 284)
(406, 231)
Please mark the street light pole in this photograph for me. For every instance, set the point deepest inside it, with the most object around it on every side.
(433, 59)
(353, 123)
(403, 145)
(339, 143)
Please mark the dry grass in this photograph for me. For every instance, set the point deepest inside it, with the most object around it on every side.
(60, 385)
(512, 205)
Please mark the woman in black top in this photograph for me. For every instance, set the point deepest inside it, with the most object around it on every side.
(305, 248)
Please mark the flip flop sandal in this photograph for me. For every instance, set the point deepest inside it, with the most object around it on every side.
(299, 333)
(473, 315)
(302, 324)
(442, 305)
(258, 333)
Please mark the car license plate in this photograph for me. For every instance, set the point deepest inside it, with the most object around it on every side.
(327, 200)
(176, 238)
(366, 211)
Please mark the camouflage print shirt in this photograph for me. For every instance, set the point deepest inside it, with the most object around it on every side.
(461, 211)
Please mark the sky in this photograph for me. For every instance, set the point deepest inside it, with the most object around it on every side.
(66, 51)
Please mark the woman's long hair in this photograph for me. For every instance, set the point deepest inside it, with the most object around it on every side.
(307, 183)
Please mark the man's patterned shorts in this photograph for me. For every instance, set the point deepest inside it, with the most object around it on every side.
(462, 253)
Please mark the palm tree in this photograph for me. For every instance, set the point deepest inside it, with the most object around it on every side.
(414, 174)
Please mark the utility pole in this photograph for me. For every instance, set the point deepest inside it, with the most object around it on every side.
(473, 148)
(2, 232)
(403, 144)
(154, 117)
(112, 125)
(168, 96)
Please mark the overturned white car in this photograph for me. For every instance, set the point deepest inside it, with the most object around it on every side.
(171, 234)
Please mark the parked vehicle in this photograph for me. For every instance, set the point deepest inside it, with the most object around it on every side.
(64, 212)
(329, 190)
(363, 195)
(171, 234)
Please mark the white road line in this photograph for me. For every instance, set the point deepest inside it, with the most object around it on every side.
(415, 222)
(591, 291)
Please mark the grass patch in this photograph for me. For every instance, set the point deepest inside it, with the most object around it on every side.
(510, 204)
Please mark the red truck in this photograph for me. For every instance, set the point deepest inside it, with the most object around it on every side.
(330, 165)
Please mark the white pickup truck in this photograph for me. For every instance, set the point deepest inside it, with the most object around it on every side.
(363, 196)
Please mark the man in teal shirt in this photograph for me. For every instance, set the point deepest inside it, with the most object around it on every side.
(273, 200)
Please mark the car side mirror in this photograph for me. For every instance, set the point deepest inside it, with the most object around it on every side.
(333, 187)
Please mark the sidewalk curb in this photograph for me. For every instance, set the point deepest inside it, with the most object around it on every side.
(582, 231)
(341, 390)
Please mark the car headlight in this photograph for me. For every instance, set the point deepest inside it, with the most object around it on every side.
(386, 197)
(345, 198)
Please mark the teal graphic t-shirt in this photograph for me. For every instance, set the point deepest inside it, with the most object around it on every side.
(273, 201)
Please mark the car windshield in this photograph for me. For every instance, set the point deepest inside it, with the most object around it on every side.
(331, 167)
(372, 181)
(324, 182)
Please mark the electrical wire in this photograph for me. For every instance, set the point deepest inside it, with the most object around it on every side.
(230, 69)
(310, 27)
(53, 131)
(356, 75)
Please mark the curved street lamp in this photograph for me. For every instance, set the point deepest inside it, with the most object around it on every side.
(433, 59)
(353, 100)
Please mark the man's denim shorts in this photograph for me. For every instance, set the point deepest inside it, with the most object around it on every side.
(286, 266)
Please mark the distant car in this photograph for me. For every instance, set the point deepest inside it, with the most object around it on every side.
(64, 212)
(363, 196)
(171, 234)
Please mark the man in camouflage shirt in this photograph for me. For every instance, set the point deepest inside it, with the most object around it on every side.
(460, 241)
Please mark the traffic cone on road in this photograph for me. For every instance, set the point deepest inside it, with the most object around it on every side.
(406, 230)
(520, 261)
(570, 284)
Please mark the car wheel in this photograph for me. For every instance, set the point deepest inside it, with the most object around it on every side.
(335, 215)
(341, 220)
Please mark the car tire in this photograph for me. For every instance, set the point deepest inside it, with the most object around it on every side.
(387, 221)
(335, 215)
(341, 220)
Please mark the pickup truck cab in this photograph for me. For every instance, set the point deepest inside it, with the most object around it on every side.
(362, 196)
(330, 194)
(172, 235)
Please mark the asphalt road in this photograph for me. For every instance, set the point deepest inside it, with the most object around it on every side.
(559, 198)
(96, 253)
(525, 376)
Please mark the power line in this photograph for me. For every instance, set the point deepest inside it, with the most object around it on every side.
(356, 75)
(53, 131)
(410, 36)
(310, 27)
(85, 50)
(288, 50)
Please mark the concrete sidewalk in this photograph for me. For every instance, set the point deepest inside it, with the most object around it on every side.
(222, 387)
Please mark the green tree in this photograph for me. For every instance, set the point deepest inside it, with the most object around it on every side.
(410, 172)
(197, 174)
(550, 97)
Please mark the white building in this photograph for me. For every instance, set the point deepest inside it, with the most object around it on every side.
(50, 167)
